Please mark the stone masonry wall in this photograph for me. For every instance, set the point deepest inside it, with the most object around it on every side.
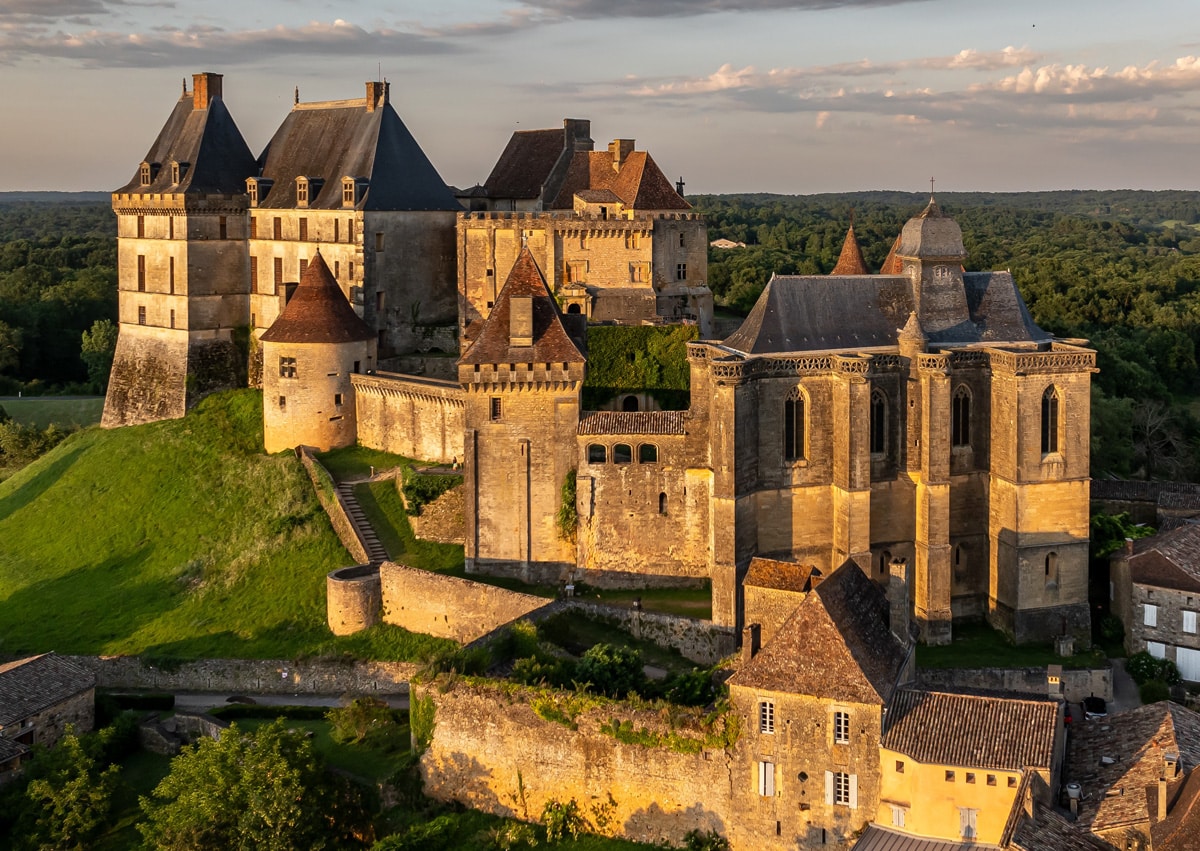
(353, 599)
(410, 416)
(442, 521)
(1076, 683)
(449, 607)
(256, 676)
(492, 752)
(698, 640)
(323, 483)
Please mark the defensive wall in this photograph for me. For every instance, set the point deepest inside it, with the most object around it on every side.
(1077, 683)
(332, 503)
(411, 416)
(353, 599)
(700, 641)
(259, 676)
(492, 748)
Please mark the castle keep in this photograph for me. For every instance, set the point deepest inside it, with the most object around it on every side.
(917, 417)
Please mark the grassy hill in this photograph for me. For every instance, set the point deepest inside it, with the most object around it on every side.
(175, 539)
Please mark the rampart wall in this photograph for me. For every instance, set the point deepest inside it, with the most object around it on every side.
(353, 599)
(410, 416)
(327, 494)
(259, 676)
(698, 640)
(491, 751)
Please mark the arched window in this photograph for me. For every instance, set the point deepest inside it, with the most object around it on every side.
(879, 423)
(572, 309)
(647, 454)
(1050, 420)
(662, 503)
(794, 426)
(1051, 570)
(622, 454)
(597, 453)
(960, 417)
(629, 403)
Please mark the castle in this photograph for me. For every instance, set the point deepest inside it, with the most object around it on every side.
(914, 420)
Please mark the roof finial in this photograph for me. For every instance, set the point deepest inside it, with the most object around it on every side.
(185, 85)
(297, 96)
(851, 218)
(931, 189)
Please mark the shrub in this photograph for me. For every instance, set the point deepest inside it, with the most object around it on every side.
(563, 820)
(1143, 667)
(705, 840)
(1153, 691)
(420, 489)
(429, 836)
(1111, 628)
(567, 518)
(611, 670)
(358, 719)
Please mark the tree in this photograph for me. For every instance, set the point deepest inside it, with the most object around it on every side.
(99, 345)
(67, 798)
(358, 719)
(264, 790)
(10, 347)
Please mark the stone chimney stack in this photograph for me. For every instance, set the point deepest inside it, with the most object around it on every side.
(751, 639)
(577, 134)
(205, 87)
(897, 595)
(620, 150)
(1162, 798)
(520, 320)
(1129, 546)
(377, 95)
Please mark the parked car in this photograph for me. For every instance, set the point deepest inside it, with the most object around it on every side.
(1094, 707)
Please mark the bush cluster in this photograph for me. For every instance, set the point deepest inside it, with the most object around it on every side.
(420, 489)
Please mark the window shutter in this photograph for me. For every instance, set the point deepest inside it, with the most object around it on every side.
(854, 791)
(1189, 621)
(1151, 618)
(829, 788)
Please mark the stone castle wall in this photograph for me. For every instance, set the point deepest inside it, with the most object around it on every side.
(494, 753)
(353, 599)
(410, 416)
(1076, 683)
(449, 607)
(698, 640)
(327, 495)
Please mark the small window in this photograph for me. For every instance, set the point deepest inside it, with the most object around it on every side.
(303, 267)
(1150, 615)
(794, 426)
(879, 423)
(278, 272)
(898, 814)
(253, 274)
(885, 560)
(622, 454)
(637, 273)
(254, 227)
(171, 275)
(970, 777)
(682, 240)
(662, 503)
(766, 716)
(495, 408)
(304, 230)
(379, 301)
(841, 728)
(899, 766)
(287, 367)
(277, 228)
(379, 242)
(1156, 649)
(766, 779)
(337, 399)
(174, 172)
(170, 227)
(949, 776)
(144, 175)
(141, 315)
(841, 788)
(960, 419)
(172, 318)
(991, 780)
(348, 198)
(966, 818)
(222, 227)
(1051, 570)
(141, 227)
(597, 453)
(681, 271)
(1050, 420)
(141, 273)
(647, 454)
(302, 191)
(351, 265)
(283, 402)
(1012, 782)
(252, 191)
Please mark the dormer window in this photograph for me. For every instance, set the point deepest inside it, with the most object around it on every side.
(252, 191)
(302, 191)
(178, 170)
(147, 173)
(257, 188)
(349, 192)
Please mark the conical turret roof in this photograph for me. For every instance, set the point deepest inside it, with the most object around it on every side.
(850, 261)
(318, 312)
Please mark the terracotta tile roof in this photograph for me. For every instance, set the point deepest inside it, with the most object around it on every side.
(836, 645)
(781, 575)
(892, 264)
(639, 183)
(525, 163)
(1169, 559)
(878, 838)
(850, 261)
(208, 140)
(28, 686)
(972, 730)
(344, 139)
(551, 343)
(317, 312)
(633, 422)
(1118, 759)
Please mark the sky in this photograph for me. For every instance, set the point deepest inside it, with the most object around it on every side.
(787, 96)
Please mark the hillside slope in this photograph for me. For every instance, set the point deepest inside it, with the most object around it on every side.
(176, 538)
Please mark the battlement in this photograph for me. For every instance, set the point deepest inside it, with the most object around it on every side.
(562, 216)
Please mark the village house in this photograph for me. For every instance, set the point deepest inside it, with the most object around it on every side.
(40, 697)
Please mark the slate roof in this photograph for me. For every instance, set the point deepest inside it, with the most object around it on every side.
(850, 261)
(337, 139)
(633, 422)
(879, 838)
(639, 183)
(551, 343)
(1180, 830)
(1136, 742)
(931, 235)
(972, 730)
(836, 645)
(1169, 559)
(525, 163)
(208, 140)
(317, 312)
(10, 750)
(798, 313)
(781, 575)
(27, 686)
(1048, 830)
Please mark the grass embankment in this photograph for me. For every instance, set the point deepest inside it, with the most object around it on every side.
(41, 411)
(980, 646)
(176, 539)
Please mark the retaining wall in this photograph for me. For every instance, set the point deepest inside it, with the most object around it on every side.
(1076, 683)
(700, 641)
(258, 676)
(327, 495)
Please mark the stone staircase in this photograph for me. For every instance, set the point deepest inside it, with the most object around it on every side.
(362, 527)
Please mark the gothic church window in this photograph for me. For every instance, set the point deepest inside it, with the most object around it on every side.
(1050, 420)
(879, 423)
(960, 419)
(597, 453)
(795, 429)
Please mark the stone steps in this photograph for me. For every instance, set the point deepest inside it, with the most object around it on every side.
(376, 552)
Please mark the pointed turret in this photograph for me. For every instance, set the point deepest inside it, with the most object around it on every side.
(850, 261)
(318, 312)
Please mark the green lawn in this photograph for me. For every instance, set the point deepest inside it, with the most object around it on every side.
(374, 760)
(381, 502)
(176, 538)
(41, 411)
(980, 646)
(358, 462)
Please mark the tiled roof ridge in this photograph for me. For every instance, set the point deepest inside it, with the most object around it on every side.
(626, 422)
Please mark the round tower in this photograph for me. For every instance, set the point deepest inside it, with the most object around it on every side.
(309, 354)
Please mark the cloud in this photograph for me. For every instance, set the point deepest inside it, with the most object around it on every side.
(207, 45)
(1078, 82)
(583, 9)
(24, 11)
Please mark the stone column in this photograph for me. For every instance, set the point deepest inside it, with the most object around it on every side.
(852, 464)
(933, 578)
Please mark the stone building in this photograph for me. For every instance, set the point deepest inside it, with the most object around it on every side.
(310, 353)
(41, 696)
(1155, 589)
(615, 241)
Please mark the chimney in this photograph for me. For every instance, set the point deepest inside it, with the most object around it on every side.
(1129, 546)
(897, 595)
(205, 87)
(520, 320)
(377, 94)
(1162, 798)
(620, 150)
(577, 135)
(1074, 793)
(751, 637)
